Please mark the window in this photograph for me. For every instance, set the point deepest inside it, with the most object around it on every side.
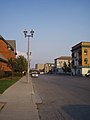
(85, 51)
(85, 60)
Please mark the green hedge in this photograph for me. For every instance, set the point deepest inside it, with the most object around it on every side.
(2, 74)
(9, 73)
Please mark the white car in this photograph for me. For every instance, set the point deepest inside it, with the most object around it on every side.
(34, 74)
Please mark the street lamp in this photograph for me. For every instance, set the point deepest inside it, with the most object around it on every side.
(28, 34)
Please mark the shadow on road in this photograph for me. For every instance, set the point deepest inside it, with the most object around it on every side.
(78, 112)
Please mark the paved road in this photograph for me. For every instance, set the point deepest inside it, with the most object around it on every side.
(64, 97)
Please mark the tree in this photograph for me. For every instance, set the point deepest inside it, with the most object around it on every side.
(18, 65)
(69, 67)
(12, 64)
(64, 67)
(21, 63)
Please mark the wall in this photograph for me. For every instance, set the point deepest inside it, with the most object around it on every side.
(7, 53)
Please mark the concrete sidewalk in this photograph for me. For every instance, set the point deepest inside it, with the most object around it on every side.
(19, 102)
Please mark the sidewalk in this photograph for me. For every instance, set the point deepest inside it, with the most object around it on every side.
(19, 102)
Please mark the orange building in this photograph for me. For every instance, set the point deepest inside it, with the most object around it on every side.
(7, 51)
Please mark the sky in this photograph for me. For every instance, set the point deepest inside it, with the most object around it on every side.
(58, 25)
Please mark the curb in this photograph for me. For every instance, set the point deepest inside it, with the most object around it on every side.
(36, 97)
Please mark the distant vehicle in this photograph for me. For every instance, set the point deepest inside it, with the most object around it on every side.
(88, 74)
(34, 74)
(41, 73)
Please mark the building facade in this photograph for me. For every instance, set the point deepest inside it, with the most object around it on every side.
(49, 67)
(81, 58)
(6, 52)
(39, 67)
(59, 63)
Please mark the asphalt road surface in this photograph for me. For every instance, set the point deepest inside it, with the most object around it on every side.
(63, 97)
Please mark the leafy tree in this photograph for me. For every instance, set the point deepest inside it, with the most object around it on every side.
(64, 67)
(12, 64)
(18, 65)
(21, 63)
(69, 67)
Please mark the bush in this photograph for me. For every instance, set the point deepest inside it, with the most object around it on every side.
(19, 74)
(8, 73)
(2, 73)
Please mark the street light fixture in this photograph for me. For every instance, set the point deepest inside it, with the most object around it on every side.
(28, 34)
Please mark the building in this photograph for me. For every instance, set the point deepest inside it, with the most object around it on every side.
(49, 67)
(39, 67)
(3, 62)
(7, 51)
(13, 44)
(59, 63)
(81, 58)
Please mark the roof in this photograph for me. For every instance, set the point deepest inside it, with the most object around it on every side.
(64, 58)
(1, 38)
(81, 44)
(12, 43)
(49, 63)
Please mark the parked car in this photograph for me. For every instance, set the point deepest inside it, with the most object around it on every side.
(88, 74)
(34, 74)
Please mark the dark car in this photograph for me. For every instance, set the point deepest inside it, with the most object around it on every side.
(88, 74)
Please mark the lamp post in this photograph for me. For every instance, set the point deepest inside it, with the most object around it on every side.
(30, 34)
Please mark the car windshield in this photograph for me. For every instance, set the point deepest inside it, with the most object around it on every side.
(88, 71)
(34, 73)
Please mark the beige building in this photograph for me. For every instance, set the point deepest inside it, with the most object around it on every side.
(81, 58)
(39, 67)
(49, 67)
(59, 63)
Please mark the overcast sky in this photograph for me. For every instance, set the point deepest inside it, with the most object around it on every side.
(58, 25)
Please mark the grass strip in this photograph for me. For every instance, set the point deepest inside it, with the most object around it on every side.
(7, 82)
